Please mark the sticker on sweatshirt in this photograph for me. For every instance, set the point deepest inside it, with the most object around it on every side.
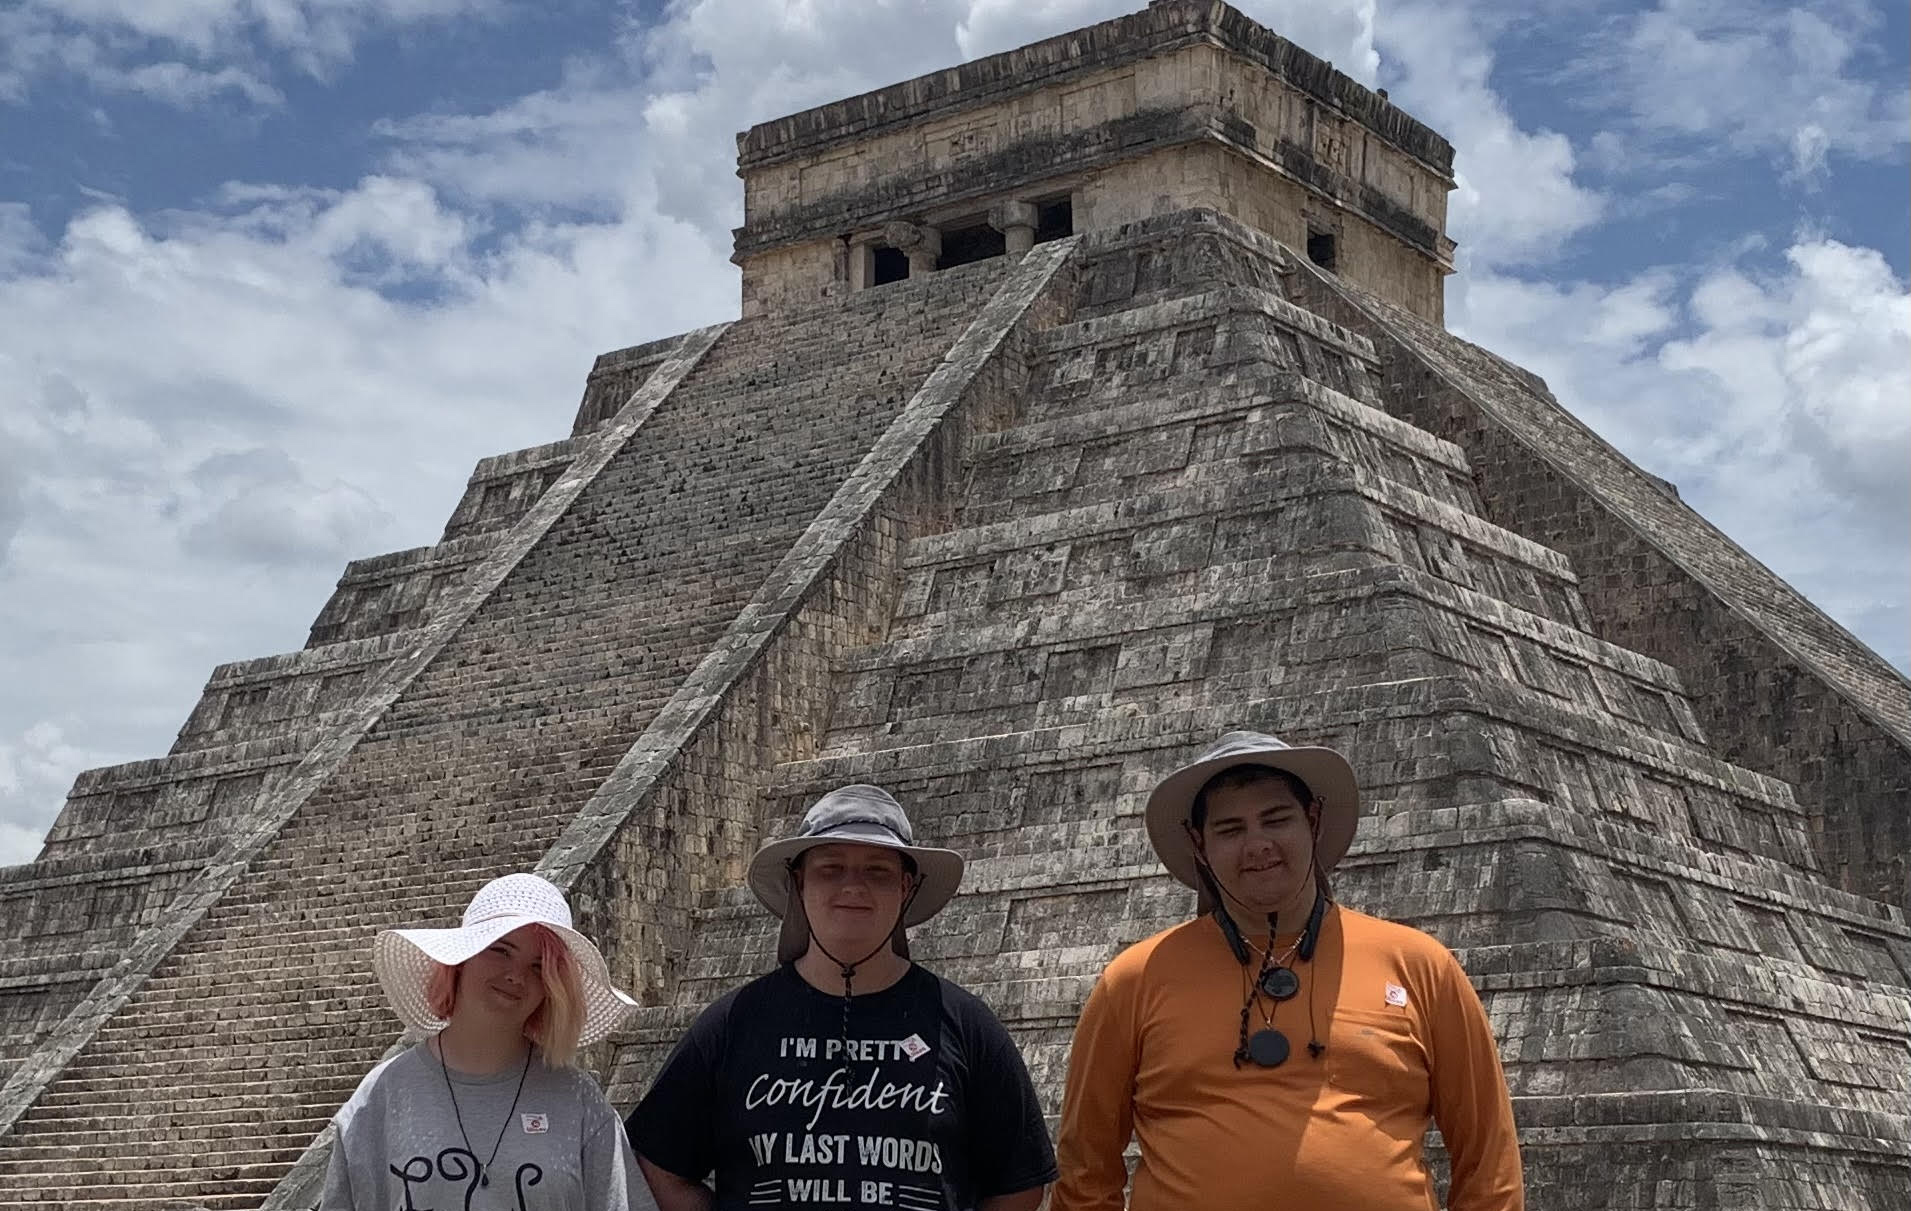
(914, 1047)
(1396, 995)
(536, 1124)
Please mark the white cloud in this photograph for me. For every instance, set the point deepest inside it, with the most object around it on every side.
(1789, 81)
(1516, 201)
(38, 763)
(1818, 362)
(181, 85)
(18, 843)
(1773, 399)
(260, 507)
(185, 51)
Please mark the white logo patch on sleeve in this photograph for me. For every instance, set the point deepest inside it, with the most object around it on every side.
(914, 1047)
(1396, 995)
(536, 1124)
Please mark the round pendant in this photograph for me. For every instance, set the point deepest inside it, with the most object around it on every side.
(484, 1179)
(1280, 983)
(1268, 1048)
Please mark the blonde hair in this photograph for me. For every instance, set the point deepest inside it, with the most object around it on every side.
(558, 1021)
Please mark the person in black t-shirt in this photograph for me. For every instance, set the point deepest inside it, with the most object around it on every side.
(848, 1076)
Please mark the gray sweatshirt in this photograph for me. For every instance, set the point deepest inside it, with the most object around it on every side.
(559, 1148)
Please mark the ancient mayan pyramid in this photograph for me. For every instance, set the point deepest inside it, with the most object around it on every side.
(1087, 400)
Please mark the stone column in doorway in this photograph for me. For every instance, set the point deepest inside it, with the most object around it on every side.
(921, 244)
(1017, 222)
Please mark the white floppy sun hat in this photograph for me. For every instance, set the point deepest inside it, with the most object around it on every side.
(404, 958)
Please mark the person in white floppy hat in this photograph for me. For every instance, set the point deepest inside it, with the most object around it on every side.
(1280, 1048)
(487, 1112)
(849, 1074)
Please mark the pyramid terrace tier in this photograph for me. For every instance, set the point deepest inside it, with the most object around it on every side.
(296, 693)
(1240, 631)
(397, 592)
(504, 487)
(1435, 742)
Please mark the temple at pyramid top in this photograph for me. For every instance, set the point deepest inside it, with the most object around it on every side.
(1185, 104)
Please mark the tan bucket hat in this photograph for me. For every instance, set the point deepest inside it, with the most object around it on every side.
(1327, 774)
(857, 814)
(403, 958)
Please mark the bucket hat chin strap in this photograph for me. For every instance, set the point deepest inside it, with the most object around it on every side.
(849, 969)
(1218, 892)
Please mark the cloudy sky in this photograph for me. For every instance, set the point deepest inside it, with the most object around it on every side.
(275, 273)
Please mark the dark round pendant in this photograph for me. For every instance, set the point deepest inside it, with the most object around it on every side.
(484, 1178)
(1280, 983)
(1268, 1048)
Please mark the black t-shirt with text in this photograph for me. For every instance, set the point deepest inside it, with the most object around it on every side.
(928, 1108)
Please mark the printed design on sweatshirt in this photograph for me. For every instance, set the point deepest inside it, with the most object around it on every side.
(460, 1165)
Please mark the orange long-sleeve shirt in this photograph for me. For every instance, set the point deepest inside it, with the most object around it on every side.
(1407, 1042)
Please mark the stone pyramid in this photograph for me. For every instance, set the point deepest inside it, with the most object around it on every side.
(1088, 400)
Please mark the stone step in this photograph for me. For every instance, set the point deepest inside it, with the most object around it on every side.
(151, 1076)
(614, 378)
(1042, 689)
(1270, 485)
(238, 1185)
(169, 1196)
(284, 1142)
(1174, 314)
(76, 1105)
(178, 799)
(168, 1034)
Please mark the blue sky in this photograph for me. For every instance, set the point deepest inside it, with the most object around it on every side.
(275, 273)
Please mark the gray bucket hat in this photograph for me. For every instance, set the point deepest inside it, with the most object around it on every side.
(850, 815)
(1325, 771)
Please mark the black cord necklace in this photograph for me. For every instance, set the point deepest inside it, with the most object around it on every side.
(1268, 1048)
(849, 969)
(484, 1170)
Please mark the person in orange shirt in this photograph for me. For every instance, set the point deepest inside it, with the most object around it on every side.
(1280, 1049)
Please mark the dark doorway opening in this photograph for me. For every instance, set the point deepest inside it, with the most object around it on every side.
(1054, 220)
(1320, 249)
(888, 265)
(966, 245)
